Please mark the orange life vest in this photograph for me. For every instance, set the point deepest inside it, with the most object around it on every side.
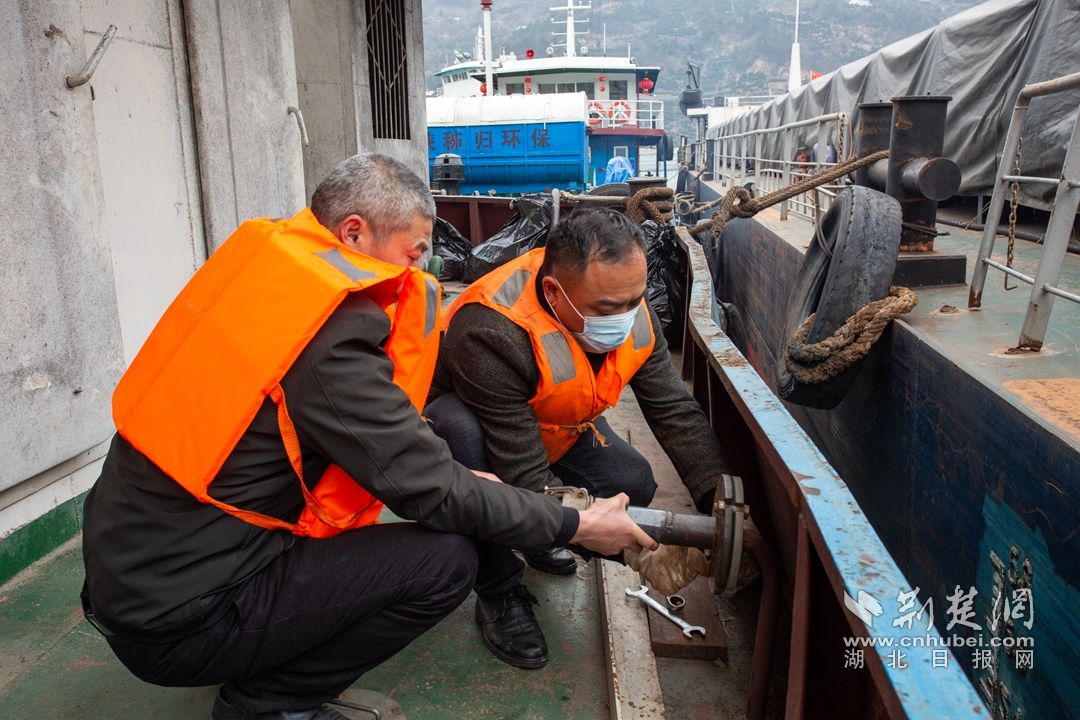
(569, 395)
(231, 334)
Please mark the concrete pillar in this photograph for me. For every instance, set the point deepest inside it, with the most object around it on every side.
(323, 38)
(334, 84)
(243, 80)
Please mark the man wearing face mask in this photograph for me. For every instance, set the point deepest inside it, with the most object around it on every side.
(535, 352)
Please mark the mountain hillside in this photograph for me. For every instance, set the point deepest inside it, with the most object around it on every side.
(742, 48)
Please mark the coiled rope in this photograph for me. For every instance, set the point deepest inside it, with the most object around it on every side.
(653, 203)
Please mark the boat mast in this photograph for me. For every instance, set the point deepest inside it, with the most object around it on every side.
(571, 30)
(795, 72)
(485, 5)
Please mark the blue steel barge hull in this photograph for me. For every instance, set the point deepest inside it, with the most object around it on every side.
(965, 458)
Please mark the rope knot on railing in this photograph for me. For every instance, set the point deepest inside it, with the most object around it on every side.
(820, 361)
(735, 203)
(738, 202)
(652, 203)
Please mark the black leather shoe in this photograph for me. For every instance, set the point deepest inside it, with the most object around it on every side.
(510, 629)
(555, 561)
(224, 710)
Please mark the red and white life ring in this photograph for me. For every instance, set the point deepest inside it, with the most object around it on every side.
(620, 112)
(596, 112)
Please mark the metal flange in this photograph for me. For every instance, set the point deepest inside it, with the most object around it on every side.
(730, 511)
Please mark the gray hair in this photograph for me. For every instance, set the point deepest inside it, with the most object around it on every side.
(383, 191)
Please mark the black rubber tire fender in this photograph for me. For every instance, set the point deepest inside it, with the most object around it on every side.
(734, 325)
(861, 233)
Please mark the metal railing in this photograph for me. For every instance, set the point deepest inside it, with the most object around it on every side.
(645, 114)
(769, 158)
(1056, 242)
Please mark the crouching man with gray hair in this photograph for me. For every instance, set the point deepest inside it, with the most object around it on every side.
(231, 537)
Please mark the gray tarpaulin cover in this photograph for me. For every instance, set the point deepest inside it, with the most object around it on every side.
(982, 58)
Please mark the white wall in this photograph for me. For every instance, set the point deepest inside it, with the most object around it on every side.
(60, 349)
(116, 189)
(142, 119)
(55, 490)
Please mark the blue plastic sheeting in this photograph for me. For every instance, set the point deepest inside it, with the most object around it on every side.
(618, 170)
(515, 158)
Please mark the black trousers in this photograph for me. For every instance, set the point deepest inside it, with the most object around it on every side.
(303, 629)
(603, 471)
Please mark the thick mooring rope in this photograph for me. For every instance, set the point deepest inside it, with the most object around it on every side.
(737, 202)
(828, 358)
(652, 203)
(820, 361)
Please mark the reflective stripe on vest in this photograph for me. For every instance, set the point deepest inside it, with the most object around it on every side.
(569, 395)
(233, 332)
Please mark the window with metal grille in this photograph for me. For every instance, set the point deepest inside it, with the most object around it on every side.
(388, 69)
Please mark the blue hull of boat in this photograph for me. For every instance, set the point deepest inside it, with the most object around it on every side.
(965, 486)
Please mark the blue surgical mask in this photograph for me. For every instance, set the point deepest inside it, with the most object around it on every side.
(602, 333)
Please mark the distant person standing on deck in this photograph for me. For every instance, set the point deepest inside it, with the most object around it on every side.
(272, 411)
(535, 352)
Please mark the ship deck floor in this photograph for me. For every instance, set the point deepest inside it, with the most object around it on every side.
(53, 665)
(1045, 384)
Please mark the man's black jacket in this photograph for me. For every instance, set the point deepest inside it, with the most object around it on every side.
(157, 559)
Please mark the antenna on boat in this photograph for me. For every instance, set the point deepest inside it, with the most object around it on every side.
(571, 25)
(485, 5)
(795, 72)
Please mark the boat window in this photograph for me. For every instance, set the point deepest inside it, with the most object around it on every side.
(617, 90)
(621, 151)
(515, 88)
(588, 88)
(566, 87)
(547, 88)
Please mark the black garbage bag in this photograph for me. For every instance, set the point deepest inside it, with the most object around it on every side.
(525, 231)
(665, 287)
(453, 248)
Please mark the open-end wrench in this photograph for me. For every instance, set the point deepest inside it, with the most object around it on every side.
(643, 595)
